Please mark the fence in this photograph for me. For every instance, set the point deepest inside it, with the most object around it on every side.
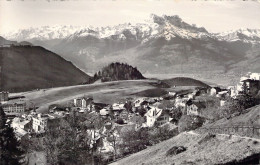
(241, 130)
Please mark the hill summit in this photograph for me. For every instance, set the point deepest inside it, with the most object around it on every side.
(118, 71)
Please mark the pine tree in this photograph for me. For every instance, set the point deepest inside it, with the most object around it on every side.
(244, 88)
(10, 153)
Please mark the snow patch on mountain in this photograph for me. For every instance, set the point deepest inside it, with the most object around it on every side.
(245, 35)
(43, 33)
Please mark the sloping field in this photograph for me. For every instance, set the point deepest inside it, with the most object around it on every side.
(184, 81)
(200, 150)
(109, 92)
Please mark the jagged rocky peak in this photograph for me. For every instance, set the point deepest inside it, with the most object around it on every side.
(176, 21)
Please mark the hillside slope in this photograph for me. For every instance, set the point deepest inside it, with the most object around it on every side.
(204, 148)
(25, 68)
(200, 150)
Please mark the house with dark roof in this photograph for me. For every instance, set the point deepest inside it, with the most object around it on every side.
(195, 108)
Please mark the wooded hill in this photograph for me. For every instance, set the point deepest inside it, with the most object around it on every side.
(117, 71)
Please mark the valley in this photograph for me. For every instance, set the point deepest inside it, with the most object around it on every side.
(161, 91)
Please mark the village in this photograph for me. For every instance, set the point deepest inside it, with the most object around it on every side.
(132, 114)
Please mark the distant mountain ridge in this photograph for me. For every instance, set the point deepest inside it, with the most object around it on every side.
(164, 44)
(4, 42)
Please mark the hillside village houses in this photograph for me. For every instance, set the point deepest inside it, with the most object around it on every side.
(153, 113)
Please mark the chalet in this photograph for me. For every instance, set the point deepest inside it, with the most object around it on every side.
(3, 96)
(195, 108)
(156, 116)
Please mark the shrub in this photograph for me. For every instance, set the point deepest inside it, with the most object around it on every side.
(175, 150)
(187, 123)
(206, 137)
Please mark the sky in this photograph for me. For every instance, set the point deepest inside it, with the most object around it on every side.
(215, 16)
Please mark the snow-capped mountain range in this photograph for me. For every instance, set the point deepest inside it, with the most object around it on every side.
(245, 35)
(163, 44)
(165, 26)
